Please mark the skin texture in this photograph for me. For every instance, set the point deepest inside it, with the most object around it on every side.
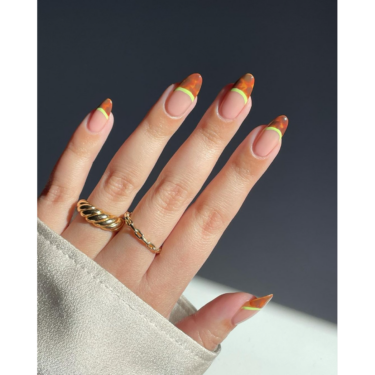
(163, 214)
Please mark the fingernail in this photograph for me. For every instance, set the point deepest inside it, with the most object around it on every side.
(184, 95)
(100, 116)
(237, 97)
(250, 308)
(270, 136)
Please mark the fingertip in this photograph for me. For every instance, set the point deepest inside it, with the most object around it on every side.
(100, 116)
(229, 107)
(264, 145)
(237, 98)
(178, 103)
(111, 120)
(250, 308)
(213, 322)
(184, 96)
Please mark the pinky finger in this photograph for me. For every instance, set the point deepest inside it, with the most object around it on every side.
(57, 202)
(213, 322)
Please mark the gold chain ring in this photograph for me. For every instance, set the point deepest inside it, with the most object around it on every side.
(139, 234)
(99, 218)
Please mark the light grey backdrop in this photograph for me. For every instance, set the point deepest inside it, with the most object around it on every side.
(283, 241)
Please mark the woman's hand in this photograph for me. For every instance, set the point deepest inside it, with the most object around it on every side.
(188, 234)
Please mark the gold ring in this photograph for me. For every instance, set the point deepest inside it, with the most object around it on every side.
(150, 246)
(99, 218)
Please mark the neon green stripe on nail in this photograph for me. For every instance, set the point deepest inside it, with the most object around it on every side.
(240, 92)
(276, 130)
(250, 308)
(186, 92)
(100, 109)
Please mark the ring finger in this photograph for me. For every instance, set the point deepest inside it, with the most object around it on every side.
(181, 179)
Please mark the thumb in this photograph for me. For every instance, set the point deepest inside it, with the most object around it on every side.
(213, 322)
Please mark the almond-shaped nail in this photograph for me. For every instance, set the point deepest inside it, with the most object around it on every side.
(250, 308)
(184, 95)
(270, 136)
(237, 97)
(99, 118)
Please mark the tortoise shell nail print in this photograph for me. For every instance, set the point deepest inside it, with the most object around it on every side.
(106, 107)
(244, 86)
(257, 303)
(191, 85)
(279, 124)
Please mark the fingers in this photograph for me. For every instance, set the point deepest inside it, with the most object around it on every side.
(213, 322)
(57, 201)
(133, 162)
(200, 228)
(181, 179)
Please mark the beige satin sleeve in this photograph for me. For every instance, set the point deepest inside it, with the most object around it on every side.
(89, 323)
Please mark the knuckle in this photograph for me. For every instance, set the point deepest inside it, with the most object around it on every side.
(242, 169)
(209, 338)
(210, 220)
(79, 149)
(170, 195)
(55, 193)
(158, 128)
(211, 135)
(119, 184)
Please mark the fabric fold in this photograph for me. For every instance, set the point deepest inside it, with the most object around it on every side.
(90, 323)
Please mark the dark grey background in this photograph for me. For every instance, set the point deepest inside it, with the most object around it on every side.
(283, 240)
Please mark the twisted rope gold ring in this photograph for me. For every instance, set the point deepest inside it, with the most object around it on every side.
(99, 218)
(150, 246)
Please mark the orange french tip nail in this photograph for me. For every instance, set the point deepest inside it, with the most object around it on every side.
(100, 116)
(257, 303)
(250, 308)
(107, 106)
(244, 86)
(237, 97)
(191, 85)
(184, 95)
(280, 123)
